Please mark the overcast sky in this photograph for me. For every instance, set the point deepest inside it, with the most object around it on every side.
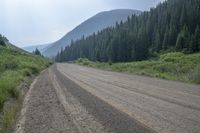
(31, 22)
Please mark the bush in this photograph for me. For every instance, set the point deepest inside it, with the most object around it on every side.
(110, 62)
(34, 69)
(171, 57)
(80, 60)
(26, 72)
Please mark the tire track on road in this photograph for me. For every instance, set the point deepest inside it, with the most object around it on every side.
(108, 116)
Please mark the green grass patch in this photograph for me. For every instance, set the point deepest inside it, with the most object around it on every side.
(8, 118)
(15, 66)
(172, 66)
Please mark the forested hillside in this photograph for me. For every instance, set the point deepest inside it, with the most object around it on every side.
(171, 26)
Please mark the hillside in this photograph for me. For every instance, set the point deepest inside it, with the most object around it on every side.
(172, 26)
(16, 66)
(90, 26)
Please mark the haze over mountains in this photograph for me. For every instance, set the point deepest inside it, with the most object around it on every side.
(92, 25)
(40, 47)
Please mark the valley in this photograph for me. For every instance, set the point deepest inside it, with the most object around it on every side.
(100, 66)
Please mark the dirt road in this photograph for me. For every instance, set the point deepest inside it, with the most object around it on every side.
(74, 99)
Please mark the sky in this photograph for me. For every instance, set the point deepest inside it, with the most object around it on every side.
(33, 22)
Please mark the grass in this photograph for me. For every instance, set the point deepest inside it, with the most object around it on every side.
(172, 66)
(9, 117)
(15, 67)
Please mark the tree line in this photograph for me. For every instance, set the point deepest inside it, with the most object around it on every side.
(172, 26)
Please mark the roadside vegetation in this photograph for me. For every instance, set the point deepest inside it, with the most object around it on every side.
(172, 66)
(15, 67)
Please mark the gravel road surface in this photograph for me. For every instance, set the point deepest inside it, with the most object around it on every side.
(74, 99)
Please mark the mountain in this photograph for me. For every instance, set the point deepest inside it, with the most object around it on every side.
(90, 26)
(172, 26)
(41, 48)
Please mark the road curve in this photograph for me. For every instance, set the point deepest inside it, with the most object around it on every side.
(72, 98)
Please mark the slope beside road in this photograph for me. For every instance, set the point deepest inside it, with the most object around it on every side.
(72, 98)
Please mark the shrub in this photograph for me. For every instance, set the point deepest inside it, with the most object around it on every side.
(110, 62)
(80, 60)
(26, 72)
(171, 57)
(34, 69)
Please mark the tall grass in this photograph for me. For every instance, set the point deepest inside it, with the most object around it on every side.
(172, 66)
(14, 67)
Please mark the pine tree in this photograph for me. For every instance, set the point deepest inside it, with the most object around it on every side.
(194, 45)
(2, 42)
(37, 52)
(166, 40)
(183, 39)
(157, 42)
(197, 37)
(180, 42)
(172, 36)
(183, 16)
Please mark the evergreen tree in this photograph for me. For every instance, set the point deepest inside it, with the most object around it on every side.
(2, 42)
(166, 39)
(37, 52)
(172, 36)
(197, 38)
(157, 42)
(195, 41)
(183, 17)
(182, 42)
